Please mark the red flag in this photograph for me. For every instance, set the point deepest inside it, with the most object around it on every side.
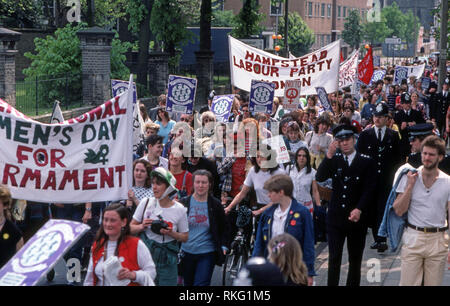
(365, 67)
(342, 58)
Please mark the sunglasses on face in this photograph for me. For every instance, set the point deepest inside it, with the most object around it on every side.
(184, 119)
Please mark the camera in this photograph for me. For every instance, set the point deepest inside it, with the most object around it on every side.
(159, 224)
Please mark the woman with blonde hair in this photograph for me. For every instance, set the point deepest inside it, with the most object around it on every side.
(286, 253)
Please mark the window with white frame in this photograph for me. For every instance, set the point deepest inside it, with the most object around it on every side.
(310, 9)
(339, 11)
(322, 11)
(329, 11)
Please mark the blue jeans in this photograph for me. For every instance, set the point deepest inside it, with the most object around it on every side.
(198, 268)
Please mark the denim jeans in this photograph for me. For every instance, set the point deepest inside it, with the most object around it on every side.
(198, 268)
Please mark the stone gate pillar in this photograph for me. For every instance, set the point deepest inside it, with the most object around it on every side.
(8, 51)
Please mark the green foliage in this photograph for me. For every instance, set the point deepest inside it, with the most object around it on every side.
(404, 26)
(248, 21)
(107, 12)
(376, 32)
(300, 36)
(60, 54)
(352, 33)
(437, 33)
(223, 19)
(23, 13)
(168, 22)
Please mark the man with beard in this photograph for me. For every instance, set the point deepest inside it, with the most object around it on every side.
(425, 197)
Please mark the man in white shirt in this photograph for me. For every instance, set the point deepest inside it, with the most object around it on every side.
(155, 148)
(425, 196)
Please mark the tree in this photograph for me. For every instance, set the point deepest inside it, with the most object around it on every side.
(376, 32)
(223, 18)
(352, 33)
(248, 20)
(395, 20)
(23, 14)
(60, 54)
(300, 37)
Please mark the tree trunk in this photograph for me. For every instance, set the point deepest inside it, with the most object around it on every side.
(144, 41)
(205, 26)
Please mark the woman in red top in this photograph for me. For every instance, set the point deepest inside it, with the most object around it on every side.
(115, 246)
(177, 166)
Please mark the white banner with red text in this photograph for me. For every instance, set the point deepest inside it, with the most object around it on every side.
(83, 159)
(319, 68)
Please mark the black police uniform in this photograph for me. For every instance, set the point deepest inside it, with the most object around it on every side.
(353, 187)
(386, 155)
(400, 117)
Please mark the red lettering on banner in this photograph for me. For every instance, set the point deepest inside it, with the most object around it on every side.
(96, 112)
(274, 61)
(323, 54)
(329, 63)
(117, 109)
(257, 58)
(320, 65)
(265, 70)
(314, 58)
(20, 156)
(293, 70)
(249, 55)
(36, 156)
(32, 175)
(295, 62)
(302, 71)
(108, 110)
(285, 63)
(306, 82)
(88, 179)
(70, 176)
(311, 68)
(304, 61)
(11, 175)
(51, 181)
(266, 61)
(274, 71)
(257, 68)
(56, 159)
(120, 170)
(106, 178)
(248, 66)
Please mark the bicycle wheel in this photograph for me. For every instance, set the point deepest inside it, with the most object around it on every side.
(226, 269)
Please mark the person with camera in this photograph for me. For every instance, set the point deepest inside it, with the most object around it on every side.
(208, 236)
(161, 224)
(114, 246)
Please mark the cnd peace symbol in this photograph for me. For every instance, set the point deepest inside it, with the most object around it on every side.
(262, 95)
(221, 107)
(181, 92)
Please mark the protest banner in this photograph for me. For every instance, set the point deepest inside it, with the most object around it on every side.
(323, 98)
(181, 94)
(365, 67)
(57, 115)
(376, 61)
(41, 252)
(376, 76)
(83, 159)
(425, 83)
(319, 68)
(119, 86)
(404, 72)
(291, 99)
(261, 97)
(277, 143)
(221, 107)
(348, 71)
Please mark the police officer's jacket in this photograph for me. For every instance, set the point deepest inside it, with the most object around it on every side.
(353, 186)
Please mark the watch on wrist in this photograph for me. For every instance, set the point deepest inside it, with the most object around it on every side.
(88, 209)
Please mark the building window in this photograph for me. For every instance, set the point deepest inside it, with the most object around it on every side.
(277, 9)
(310, 9)
(339, 11)
(322, 12)
(329, 11)
(328, 39)
(344, 13)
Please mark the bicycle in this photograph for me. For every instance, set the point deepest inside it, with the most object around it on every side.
(240, 249)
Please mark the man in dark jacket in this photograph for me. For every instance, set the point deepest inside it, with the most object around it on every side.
(353, 189)
(404, 118)
(439, 103)
(383, 145)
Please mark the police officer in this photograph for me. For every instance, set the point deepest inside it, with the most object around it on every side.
(405, 118)
(417, 134)
(382, 144)
(353, 187)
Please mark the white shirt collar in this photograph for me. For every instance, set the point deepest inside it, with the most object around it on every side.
(383, 131)
(351, 157)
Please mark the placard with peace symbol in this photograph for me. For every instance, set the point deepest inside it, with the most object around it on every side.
(181, 94)
(221, 106)
(261, 97)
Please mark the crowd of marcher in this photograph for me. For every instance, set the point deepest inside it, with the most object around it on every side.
(193, 172)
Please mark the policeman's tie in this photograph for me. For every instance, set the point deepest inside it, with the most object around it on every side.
(379, 135)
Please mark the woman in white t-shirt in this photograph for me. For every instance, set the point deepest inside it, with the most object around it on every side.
(263, 169)
(161, 223)
(304, 179)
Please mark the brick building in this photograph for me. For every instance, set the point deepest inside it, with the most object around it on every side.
(318, 14)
